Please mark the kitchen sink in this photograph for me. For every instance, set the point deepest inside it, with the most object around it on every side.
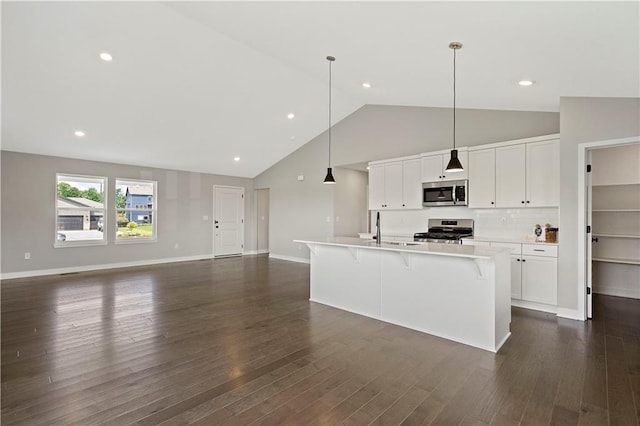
(401, 243)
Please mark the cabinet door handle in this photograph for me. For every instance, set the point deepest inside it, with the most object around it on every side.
(524, 260)
(492, 202)
(538, 250)
(518, 260)
(522, 202)
(527, 201)
(594, 240)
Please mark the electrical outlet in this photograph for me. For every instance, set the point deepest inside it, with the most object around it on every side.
(205, 217)
(328, 219)
(27, 255)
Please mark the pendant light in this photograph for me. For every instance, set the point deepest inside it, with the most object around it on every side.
(454, 164)
(329, 180)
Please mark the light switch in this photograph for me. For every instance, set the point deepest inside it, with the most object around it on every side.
(300, 177)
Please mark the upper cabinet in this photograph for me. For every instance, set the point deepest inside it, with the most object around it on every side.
(482, 178)
(395, 185)
(434, 166)
(515, 175)
(543, 174)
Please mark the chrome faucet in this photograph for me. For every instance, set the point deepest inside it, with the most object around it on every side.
(378, 228)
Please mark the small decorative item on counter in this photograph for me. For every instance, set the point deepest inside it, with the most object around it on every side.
(537, 231)
(550, 234)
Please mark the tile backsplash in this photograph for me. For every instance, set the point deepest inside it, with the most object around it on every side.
(496, 223)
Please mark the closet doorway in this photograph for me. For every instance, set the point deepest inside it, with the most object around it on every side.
(613, 221)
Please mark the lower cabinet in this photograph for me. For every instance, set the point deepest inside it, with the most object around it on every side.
(534, 271)
(540, 273)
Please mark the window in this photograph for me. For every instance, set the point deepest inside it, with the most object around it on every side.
(80, 210)
(135, 210)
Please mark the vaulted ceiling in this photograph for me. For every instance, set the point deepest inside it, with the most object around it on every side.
(194, 84)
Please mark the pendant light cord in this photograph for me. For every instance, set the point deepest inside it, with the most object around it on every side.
(454, 98)
(330, 60)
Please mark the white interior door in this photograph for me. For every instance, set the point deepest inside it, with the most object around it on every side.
(228, 220)
(589, 237)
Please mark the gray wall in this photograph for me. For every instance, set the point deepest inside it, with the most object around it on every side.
(584, 120)
(350, 208)
(28, 213)
(262, 220)
(376, 132)
(300, 209)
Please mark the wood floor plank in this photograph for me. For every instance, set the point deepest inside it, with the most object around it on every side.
(236, 341)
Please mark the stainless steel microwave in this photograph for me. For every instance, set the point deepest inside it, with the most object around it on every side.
(445, 193)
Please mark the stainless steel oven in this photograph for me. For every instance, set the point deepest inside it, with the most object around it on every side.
(445, 193)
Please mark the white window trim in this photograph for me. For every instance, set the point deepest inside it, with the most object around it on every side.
(81, 243)
(154, 211)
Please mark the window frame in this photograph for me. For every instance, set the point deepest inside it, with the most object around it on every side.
(152, 211)
(104, 180)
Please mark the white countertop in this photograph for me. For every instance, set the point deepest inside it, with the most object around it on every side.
(456, 250)
(508, 240)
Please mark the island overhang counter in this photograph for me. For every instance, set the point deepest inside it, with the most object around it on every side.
(458, 292)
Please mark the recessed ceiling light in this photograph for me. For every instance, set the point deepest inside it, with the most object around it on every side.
(79, 133)
(366, 85)
(291, 116)
(236, 159)
(525, 83)
(105, 56)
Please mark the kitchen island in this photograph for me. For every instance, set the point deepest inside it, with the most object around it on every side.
(461, 293)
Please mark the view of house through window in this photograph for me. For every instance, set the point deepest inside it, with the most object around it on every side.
(135, 210)
(80, 209)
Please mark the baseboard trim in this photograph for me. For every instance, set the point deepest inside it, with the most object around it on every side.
(289, 258)
(89, 268)
(569, 314)
(535, 306)
(618, 292)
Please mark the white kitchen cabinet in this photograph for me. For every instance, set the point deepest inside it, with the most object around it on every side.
(516, 267)
(540, 279)
(395, 185)
(412, 184)
(434, 167)
(516, 277)
(534, 273)
(523, 175)
(482, 178)
(510, 176)
(543, 174)
(376, 187)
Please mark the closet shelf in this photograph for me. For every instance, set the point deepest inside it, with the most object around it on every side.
(612, 260)
(615, 210)
(595, 234)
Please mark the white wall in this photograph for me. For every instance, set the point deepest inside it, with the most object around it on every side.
(28, 214)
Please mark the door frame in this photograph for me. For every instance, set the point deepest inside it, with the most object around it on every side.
(213, 216)
(583, 149)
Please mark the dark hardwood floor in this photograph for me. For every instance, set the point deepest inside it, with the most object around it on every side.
(236, 341)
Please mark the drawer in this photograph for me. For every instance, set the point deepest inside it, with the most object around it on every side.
(540, 250)
(514, 247)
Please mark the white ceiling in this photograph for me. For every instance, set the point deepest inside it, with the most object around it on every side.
(194, 84)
